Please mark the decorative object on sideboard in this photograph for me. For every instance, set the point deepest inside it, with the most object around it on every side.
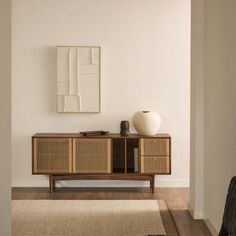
(124, 128)
(78, 79)
(94, 133)
(146, 122)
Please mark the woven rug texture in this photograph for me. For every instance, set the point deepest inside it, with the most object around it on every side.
(91, 218)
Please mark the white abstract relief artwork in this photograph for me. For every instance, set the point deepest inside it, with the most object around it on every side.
(78, 79)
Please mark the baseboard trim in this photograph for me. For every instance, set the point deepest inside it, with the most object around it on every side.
(211, 227)
(159, 182)
(197, 214)
(172, 183)
(200, 215)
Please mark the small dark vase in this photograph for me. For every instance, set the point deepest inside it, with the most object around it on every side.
(124, 128)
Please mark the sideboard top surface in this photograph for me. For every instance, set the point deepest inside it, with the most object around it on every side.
(110, 135)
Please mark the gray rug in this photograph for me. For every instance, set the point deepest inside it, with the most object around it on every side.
(91, 218)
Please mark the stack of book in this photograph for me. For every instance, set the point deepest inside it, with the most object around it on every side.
(94, 133)
(135, 159)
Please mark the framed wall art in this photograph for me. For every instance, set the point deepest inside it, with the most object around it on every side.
(78, 79)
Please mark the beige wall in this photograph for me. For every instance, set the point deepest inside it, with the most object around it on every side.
(219, 113)
(220, 109)
(145, 66)
(5, 114)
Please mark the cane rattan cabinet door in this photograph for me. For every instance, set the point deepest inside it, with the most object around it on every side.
(155, 146)
(155, 164)
(155, 155)
(52, 155)
(91, 155)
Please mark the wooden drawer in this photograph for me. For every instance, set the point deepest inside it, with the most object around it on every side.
(91, 155)
(155, 147)
(155, 164)
(52, 155)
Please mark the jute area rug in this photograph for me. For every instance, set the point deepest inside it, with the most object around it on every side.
(91, 218)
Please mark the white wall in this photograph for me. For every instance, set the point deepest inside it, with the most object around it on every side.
(219, 113)
(145, 66)
(197, 108)
(5, 120)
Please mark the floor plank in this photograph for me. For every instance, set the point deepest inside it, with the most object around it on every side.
(176, 199)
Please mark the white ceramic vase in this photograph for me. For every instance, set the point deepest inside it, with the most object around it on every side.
(146, 122)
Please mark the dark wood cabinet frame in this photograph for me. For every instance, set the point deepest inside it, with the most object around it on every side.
(122, 152)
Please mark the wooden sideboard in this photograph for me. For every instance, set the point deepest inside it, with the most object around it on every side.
(74, 157)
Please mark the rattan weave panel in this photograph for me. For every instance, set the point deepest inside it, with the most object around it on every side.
(155, 147)
(155, 164)
(92, 155)
(52, 155)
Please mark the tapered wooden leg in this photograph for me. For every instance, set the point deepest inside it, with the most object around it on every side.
(50, 184)
(54, 184)
(150, 184)
(153, 184)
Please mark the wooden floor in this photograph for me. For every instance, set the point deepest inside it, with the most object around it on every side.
(176, 199)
